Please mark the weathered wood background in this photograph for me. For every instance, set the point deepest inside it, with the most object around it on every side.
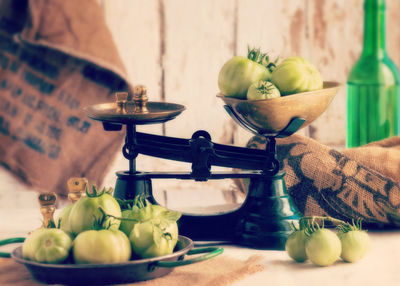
(177, 47)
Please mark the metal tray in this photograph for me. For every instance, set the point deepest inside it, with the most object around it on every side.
(117, 273)
(157, 112)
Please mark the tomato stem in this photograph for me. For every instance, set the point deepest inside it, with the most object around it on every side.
(116, 217)
(310, 224)
(257, 56)
(95, 193)
(355, 225)
(323, 218)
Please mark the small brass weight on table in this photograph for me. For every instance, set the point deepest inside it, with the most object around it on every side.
(47, 203)
(76, 188)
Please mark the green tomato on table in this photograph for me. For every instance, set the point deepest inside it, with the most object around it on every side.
(323, 247)
(355, 244)
(296, 245)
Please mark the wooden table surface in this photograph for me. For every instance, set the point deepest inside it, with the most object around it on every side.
(379, 267)
(13, 273)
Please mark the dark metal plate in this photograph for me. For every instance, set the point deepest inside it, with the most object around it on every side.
(158, 112)
(97, 274)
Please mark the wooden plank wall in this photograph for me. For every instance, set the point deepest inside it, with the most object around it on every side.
(177, 47)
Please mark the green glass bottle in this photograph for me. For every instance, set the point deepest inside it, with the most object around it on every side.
(373, 84)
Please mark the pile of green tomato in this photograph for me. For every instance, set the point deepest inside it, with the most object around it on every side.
(255, 77)
(95, 229)
(323, 246)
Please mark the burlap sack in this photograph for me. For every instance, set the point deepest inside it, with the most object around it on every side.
(56, 57)
(354, 183)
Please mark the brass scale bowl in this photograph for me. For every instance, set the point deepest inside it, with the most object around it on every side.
(264, 219)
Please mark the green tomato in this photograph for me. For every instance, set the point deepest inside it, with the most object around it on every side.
(156, 213)
(151, 211)
(148, 239)
(323, 247)
(140, 215)
(85, 213)
(167, 220)
(262, 90)
(47, 245)
(355, 244)
(296, 246)
(158, 210)
(63, 220)
(295, 75)
(101, 246)
(152, 229)
(126, 226)
(238, 73)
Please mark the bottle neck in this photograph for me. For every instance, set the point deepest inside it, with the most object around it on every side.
(374, 28)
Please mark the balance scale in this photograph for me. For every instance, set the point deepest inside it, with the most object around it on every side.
(264, 218)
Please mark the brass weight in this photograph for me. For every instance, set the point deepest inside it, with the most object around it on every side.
(47, 203)
(140, 99)
(76, 188)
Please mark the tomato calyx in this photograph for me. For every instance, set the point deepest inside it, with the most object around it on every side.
(264, 88)
(126, 204)
(263, 59)
(95, 193)
(51, 224)
(146, 212)
(101, 222)
(347, 227)
(310, 224)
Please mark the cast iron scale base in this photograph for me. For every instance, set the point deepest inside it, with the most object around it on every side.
(262, 221)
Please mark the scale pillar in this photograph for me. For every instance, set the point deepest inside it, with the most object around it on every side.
(267, 214)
